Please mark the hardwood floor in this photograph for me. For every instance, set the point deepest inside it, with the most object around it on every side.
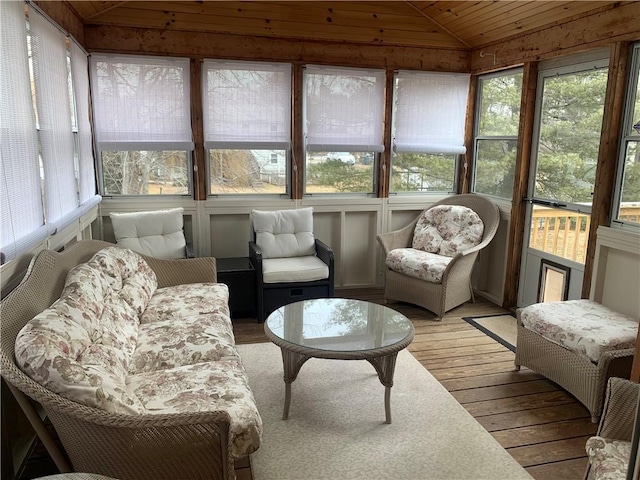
(543, 427)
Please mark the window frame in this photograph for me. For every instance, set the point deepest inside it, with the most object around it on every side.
(101, 147)
(626, 138)
(456, 155)
(246, 145)
(477, 137)
(312, 148)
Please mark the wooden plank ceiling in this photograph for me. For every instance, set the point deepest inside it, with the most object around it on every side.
(440, 24)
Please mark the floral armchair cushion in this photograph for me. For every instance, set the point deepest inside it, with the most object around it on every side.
(447, 230)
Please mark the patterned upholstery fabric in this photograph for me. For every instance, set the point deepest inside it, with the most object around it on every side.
(416, 263)
(582, 326)
(205, 387)
(609, 459)
(114, 341)
(447, 230)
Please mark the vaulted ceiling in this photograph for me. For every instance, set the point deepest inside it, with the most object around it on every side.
(440, 24)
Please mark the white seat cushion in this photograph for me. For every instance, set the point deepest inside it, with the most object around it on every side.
(418, 264)
(294, 269)
(157, 234)
(582, 326)
(284, 233)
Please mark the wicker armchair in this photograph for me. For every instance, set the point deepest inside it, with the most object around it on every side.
(168, 446)
(619, 415)
(455, 287)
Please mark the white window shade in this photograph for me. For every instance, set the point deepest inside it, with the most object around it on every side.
(430, 110)
(141, 103)
(22, 221)
(344, 109)
(247, 105)
(80, 77)
(54, 117)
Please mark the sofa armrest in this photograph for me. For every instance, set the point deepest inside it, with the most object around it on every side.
(171, 272)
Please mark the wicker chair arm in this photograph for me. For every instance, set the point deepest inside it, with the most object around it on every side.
(171, 272)
(397, 239)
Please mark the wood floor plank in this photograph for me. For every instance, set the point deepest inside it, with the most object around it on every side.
(449, 344)
(519, 403)
(524, 375)
(471, 370)
(537, 416)
(541, 453)
(461, 351)
(547, 432)
(504, 391)
(573, 468)
(480, 359)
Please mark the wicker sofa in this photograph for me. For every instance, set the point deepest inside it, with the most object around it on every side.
(133, 360)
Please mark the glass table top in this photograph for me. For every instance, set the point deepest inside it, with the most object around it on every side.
(339, 324)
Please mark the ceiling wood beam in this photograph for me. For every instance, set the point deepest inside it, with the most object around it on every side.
(104, 10)
(437, 24)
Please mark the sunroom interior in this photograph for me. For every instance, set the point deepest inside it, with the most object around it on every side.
(368, 112)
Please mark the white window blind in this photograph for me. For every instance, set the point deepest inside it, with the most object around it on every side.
(141, 103)
(430, 111)
(344, 109)
(22, 222)
(86, 173)
(54, 117)
(247, 105)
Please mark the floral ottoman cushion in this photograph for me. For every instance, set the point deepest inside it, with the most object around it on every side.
(582, 326)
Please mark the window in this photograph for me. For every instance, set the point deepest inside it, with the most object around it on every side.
(496, 134)
(428, 130)
(247, 126)
(628, 192)
(343, 109)
(40, 124)
(143, 124)
(22, 222)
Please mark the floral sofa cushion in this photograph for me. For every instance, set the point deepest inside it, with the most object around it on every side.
(582, 326)
(447, 230)
(205, 387)
(80, 347)
(417, 263)
(609, 458)
(186, 301)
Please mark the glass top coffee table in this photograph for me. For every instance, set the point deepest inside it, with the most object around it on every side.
(341, 329)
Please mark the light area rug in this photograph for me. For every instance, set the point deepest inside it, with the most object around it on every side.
(501, 328)
(336, 426)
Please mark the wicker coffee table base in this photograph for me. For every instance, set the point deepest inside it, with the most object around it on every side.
(385, 366)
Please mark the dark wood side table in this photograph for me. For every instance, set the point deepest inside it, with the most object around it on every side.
(240, 276)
